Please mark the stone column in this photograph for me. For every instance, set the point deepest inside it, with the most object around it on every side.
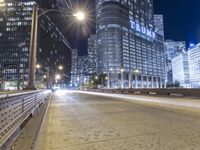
(108, 81)
(142, 83)
(136, 81)
(122, 80)
(152, 85)
(161, 83)
(157, 82)
(130, 80)
(147, 81)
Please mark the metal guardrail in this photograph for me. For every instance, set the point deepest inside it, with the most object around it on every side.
(161, 92)
(15, 108)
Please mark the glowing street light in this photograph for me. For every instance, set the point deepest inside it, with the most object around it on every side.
(96, 77)
(2, 3)
(58, 77)
(136, 71)
(79, 15)
(60, 67)
(44, 76)
(38, 66)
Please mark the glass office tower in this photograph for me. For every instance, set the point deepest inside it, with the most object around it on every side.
(15, 28)
(130, 43)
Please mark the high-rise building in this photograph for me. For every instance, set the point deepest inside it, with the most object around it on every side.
(83, 74)
(180, 70)
(194, 66)
(74, 71)
(130, 43)
(15, 27)
(172, 49)
(92, 54)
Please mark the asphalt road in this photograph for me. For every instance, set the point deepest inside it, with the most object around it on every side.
(78, 121)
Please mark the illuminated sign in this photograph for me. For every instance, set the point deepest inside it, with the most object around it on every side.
(139, 28)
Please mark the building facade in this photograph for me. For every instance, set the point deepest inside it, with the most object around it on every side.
(130, 43)
(83, 74)
(92, 54)
(172, 49)
(180, 70)
(194, 66)
(15, 28)
(74, 71)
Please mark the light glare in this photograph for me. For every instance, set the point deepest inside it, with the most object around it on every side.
(80, 16)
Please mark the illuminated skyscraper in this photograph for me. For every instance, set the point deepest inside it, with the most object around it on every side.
(92, 54)
(180, 70)
(74, 71)
(172, 49)
(130, 43)
(194, 65)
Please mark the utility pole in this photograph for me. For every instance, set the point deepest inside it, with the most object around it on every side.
(33, 49)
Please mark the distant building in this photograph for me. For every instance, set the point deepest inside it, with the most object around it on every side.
(180, 70)
(172, 49)
(92, 54)
(83, 74)
(194, 66)
(74, 71)
(130, 44)
(158, 24)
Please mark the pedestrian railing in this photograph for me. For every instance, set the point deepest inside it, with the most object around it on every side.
(15, 109)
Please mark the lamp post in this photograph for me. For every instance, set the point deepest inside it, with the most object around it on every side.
(33, 49)
(33, 42)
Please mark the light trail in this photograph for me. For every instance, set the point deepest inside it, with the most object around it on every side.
(178, 102)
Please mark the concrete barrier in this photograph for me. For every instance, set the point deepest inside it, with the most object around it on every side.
(161, 92)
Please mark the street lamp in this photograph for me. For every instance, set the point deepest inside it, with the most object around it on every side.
(58, 77)
(33, 42)
(136, 71)
(38, 66)
(2, 3)
(44, 76)
(96, 77)
(60, 67)
(79, 15)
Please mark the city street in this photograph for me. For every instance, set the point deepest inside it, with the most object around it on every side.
(78, 121)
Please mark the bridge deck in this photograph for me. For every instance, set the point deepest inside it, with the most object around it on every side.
(78, 121)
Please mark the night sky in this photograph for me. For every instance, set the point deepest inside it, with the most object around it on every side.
(181, 22)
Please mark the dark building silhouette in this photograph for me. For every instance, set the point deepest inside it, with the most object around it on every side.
(53, 48)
